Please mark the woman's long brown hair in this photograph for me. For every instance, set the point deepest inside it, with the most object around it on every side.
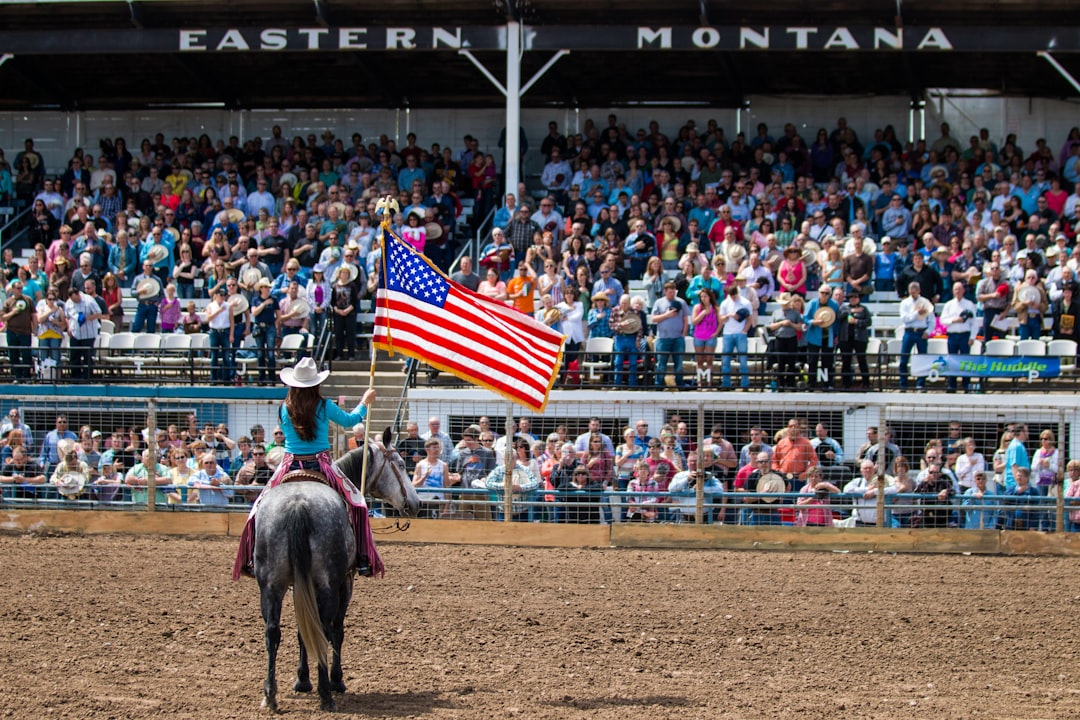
(301, 404)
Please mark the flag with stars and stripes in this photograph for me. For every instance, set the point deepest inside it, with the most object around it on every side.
(419, 312)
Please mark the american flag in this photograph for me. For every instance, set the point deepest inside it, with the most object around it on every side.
(422, 314)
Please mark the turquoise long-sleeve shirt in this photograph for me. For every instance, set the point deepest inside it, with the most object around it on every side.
(327, 412)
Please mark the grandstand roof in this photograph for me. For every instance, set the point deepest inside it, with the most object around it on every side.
(130, 56)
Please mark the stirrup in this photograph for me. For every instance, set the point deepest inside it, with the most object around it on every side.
(363, 568)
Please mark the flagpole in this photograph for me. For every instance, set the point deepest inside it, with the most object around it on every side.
(388, 206)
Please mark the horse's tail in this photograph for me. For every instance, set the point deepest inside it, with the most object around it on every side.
(298, 530)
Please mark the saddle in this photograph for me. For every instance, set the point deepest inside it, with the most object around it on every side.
(304, 475)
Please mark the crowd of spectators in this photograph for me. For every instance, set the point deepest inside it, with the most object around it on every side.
(283, 231)
(588, 477)
(196, 464)
(593, 477)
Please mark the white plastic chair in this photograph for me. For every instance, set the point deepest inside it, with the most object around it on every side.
(1000, 348)
(1065, 350)
(937, 346)
(1031, 348)
(598, 346)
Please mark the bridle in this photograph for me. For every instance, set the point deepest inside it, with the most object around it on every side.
(389, 455)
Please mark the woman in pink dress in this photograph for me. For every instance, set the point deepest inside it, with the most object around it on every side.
(414, 232)
(792, 272)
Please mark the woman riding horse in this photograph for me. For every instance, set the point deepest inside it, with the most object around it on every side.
(305, 418)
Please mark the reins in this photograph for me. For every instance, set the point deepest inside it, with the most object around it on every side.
(388, 459)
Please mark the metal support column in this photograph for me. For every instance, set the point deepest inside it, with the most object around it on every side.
(512, 91)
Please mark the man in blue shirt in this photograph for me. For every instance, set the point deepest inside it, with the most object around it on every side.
(1016, 456)
(896, 220)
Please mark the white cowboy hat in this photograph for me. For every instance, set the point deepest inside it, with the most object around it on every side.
(251, 276)
(65, 447)
(239, 303)
(304, 374)
(771, 482)
(354, 271)
(233, 215)
(297, 308)
(70, 484)
(676, 223)
(287, 178)
(433, 231)
(148, 287)
(275, 454)
(825, 316)
(157, 253)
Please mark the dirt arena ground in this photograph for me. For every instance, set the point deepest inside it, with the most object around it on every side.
(142, 627)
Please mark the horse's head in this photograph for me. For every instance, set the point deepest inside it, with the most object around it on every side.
(387, 478)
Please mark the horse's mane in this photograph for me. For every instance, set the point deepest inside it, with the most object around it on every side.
(351, 464)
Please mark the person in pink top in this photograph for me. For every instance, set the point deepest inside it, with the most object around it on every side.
(414, 233)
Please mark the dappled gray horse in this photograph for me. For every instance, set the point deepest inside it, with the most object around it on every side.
(303, 539)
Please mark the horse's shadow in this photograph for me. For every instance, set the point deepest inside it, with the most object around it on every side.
(394, 704)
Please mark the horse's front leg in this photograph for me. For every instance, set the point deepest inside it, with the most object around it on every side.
(303, 679)
(271, 612)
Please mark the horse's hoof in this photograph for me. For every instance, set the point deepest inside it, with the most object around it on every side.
(337, 686)
(328, 705)
(269, 704)
(303, 686)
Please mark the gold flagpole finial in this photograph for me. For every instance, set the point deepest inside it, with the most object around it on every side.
(389, 207)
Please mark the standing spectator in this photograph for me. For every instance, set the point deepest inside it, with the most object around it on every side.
(1030, 302)
(928, 278)
(828, 449)
(219, 317)
(411, 447)
(820, 336)
(625, 323)
(735, 315)
(84, 318)
(446, 447)
(1045, 463)
(147, 288)
(794, 455)
(939, 489)
(858, 267)
(993, 293)
(853, 334)
(706, 320)
(969, 464)
(264, 330)
(50, 455)
(671, 318)
(20, 323)
(917, 315)
(1016, 456)
(344, 303)
(958, 316)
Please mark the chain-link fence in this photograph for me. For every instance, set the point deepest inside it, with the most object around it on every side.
(104, 452)
(764, 459)
(591, 457)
